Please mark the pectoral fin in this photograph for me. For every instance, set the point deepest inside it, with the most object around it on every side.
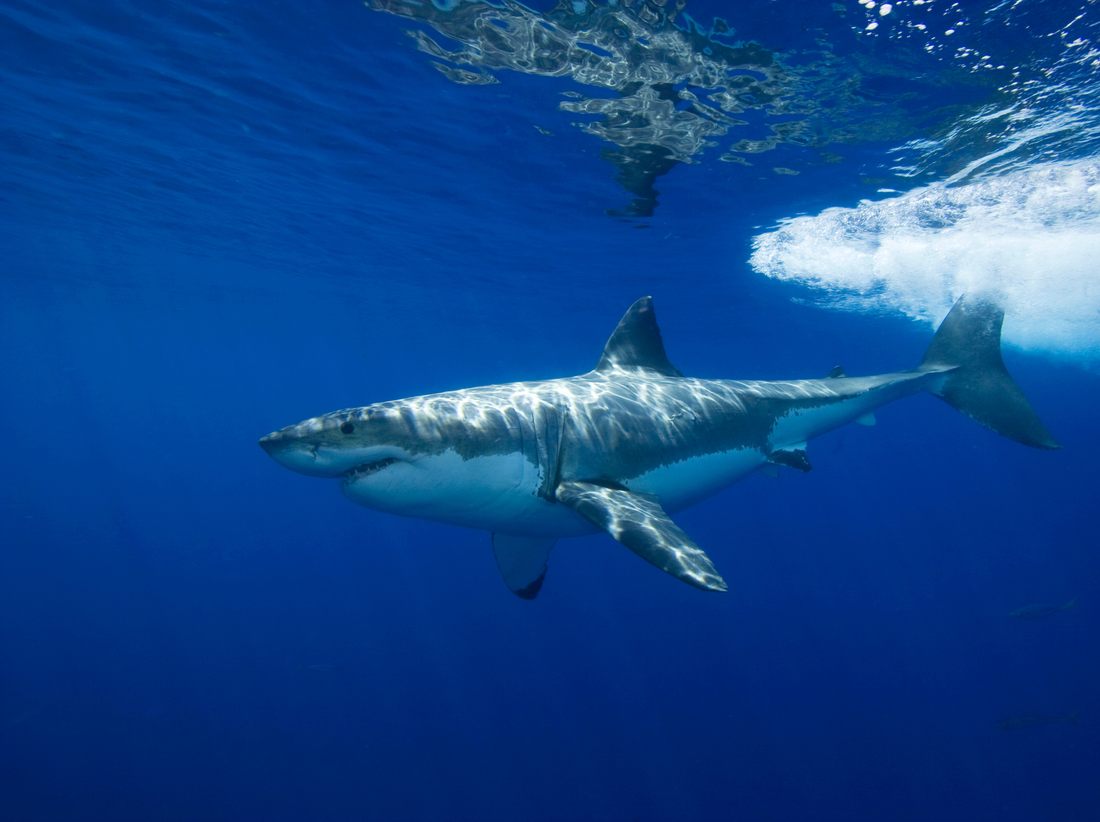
(522, 562)
(639, 523)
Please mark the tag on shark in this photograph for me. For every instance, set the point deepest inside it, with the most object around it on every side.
(620, 448)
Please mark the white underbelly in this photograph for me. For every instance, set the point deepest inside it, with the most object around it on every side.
(682, 484)
(802, 425)
(491, 493)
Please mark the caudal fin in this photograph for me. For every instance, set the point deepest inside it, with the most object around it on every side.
(969, 342)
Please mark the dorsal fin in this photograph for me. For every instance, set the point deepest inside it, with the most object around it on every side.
(636, 343)
(836, 374)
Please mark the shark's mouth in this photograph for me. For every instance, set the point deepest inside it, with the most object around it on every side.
(366, 469)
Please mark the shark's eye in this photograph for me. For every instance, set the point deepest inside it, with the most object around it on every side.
(347, 428)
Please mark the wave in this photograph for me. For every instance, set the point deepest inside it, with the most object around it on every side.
(1030, 236)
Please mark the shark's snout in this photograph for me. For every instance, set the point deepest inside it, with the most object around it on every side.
(296, 455)
(326, 447)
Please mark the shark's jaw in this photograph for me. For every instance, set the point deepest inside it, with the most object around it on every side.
(366, 469)
(318, 456)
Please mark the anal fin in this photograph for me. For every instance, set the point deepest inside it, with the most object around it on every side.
(639, 523)
(522, 562)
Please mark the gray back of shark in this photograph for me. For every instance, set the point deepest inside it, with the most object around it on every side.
(622, 447)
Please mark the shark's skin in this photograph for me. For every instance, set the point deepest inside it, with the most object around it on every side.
(622, 447)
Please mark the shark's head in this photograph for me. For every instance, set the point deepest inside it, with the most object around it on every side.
(340, 444)
(423, 457)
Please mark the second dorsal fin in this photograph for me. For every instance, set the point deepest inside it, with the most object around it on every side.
(637, 343)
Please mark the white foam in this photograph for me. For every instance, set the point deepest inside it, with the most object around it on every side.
(1031, 236)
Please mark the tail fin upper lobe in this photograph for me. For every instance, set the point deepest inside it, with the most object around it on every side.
(979, 385)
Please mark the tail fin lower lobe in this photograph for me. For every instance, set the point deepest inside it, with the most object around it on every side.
(968, 342)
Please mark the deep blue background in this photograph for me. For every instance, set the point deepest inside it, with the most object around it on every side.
(219, 219)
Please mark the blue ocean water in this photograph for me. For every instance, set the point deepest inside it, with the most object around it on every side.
(217, 219)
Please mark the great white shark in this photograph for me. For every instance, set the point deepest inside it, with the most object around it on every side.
(622, 447)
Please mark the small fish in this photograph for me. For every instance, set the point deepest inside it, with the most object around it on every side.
(1018, 722)
(1040, 611)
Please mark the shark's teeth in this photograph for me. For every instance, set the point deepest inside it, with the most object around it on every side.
(368, 468)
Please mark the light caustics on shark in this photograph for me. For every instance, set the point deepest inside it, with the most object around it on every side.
(620, 448)
(1032, 237)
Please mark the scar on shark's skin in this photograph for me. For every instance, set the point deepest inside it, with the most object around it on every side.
(620, 448)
